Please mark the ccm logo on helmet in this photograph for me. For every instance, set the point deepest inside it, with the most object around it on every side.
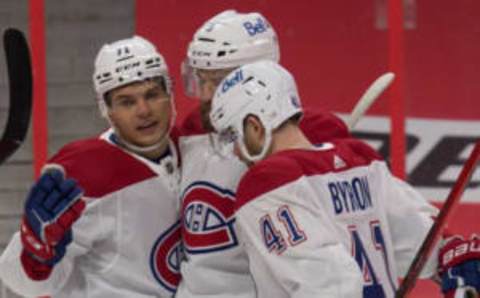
(165, 258)
(208, 218)
(127, 66)
(256, 27)
(232, 80)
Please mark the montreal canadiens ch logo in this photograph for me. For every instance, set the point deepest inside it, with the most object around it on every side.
(165, 258)
(208, 218)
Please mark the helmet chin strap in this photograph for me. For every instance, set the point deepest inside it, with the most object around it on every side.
(141, 149)
(263, 153)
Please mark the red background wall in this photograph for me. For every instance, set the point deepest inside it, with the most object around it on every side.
(335, 49)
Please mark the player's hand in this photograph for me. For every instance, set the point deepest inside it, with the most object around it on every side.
(53, 205)
(459, 267)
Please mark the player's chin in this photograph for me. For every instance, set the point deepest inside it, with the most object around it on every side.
(149, 137)
(149, 140)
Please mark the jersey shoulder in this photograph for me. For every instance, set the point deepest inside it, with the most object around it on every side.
(265, 176)
(321, 126)
(290, 165)
(360, 151)
(99, 167)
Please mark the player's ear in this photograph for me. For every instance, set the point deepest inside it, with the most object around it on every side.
(254, 123)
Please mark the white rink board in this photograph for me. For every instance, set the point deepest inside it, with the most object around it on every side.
(430, 133)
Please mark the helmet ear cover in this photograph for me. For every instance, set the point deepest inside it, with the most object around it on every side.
(103, 107)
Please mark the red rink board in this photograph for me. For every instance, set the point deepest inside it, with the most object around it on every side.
(336, 49)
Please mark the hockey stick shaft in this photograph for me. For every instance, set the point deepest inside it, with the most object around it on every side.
(369, 97)
(436, 230)
(20, 92)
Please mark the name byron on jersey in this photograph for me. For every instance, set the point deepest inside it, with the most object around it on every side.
(350, 195)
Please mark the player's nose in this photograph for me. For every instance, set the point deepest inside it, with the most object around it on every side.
(143, 107)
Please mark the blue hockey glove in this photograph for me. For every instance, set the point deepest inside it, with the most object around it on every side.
(53, 205)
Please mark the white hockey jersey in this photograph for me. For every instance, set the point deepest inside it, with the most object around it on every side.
(215, 265)
(127, 242)
(329, 222)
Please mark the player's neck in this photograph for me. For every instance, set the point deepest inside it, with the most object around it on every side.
(289, 137)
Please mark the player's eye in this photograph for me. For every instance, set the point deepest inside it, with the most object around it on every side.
(152, 94)
(125, 102)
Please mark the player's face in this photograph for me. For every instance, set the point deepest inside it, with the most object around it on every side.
(141, 112)
(208, 81)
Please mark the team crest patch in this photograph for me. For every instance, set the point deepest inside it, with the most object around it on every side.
(208, 218)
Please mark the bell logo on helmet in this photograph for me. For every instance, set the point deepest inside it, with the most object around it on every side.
(259, 26)
(232, 80)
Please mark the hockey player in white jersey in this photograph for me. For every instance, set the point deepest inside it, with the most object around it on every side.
(102, 220)
(324, 220)
(215, 264)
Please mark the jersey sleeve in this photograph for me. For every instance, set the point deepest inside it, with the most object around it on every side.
(410, 217)
(90, 227)
(94, 225)
(289, 241)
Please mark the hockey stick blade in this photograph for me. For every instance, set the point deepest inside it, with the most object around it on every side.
(20, 92)
(436, 230)
(368, 98)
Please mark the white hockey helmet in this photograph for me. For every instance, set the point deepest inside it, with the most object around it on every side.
(126, 61)
(228, 40)
(263, 89)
